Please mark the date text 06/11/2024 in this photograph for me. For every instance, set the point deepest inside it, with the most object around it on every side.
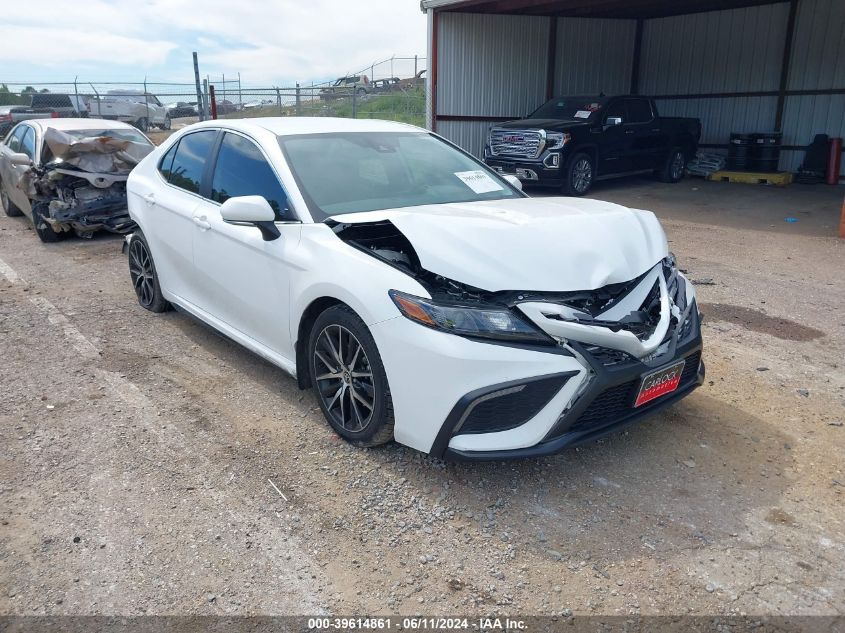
(416, 624)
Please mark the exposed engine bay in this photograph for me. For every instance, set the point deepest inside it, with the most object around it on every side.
(635, 306)
(82, 188)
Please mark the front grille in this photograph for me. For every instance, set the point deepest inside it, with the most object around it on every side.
(616, 403)
(512, 408)
(609, 357)
(520, 143)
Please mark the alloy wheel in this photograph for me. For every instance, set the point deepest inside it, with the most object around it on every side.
(676, 168)
(344, 378)
(142, 273)
(582, 175)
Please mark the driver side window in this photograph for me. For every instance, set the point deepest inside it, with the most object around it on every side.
(615, 109)
(14, 140)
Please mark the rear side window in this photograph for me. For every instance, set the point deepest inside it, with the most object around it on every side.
(639, 111)
(167, 162)
(190, 159)
(14, 141)
(242, 170)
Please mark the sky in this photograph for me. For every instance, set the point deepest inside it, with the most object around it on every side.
(270, 42)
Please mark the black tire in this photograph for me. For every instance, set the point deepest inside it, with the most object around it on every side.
(143, 124)
(45, 232)
(578, 175)
(673, 169)
(347, 373)
(167, 123)
(9, 207)
(142, 272)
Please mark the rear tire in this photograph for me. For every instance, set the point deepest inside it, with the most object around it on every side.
(167, 123)
(45, 232)
(673, 169)
(144, 277)
(9, 207)
(348, 375)
(143, 124)
(578, 174)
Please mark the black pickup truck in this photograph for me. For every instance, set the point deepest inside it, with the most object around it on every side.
(570, 142)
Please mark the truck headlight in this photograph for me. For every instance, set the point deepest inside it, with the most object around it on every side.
(557, 140)
(490, 322)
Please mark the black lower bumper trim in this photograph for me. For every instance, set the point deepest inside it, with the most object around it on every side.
(576, 438)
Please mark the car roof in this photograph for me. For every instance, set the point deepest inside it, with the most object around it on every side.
(288, 126)
(79, 124)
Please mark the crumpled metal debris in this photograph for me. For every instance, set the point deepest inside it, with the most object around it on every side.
(103, 154)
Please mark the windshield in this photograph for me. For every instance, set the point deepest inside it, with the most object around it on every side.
(362, 171)
(569, 108)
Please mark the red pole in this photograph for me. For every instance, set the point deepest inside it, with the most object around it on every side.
(834, 161)
(213, 102)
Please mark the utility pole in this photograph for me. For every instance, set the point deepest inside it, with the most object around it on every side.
(199, 88)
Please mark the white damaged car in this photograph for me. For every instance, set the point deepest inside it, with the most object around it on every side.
(425, 298)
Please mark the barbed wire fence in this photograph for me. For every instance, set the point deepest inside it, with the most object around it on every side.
(392, 89)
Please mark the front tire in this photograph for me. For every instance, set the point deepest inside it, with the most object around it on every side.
(9, 207)
(347, 373)
(167, 123)
(578, 175)
(673, 168)
(45, 232)
(143, 124)
(144, 277)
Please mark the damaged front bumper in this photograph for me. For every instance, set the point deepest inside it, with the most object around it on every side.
(505, 401)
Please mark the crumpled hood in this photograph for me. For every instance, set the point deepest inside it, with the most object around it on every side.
(540, 244)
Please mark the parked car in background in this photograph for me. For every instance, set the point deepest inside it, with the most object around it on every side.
(182, 109)
(69, 175)
(143, 110)
(345, 86)
(413, 82)
(60, 105)
(11, 115)
(424, 297)
(227, 107)
(385, 85)
(570, 142)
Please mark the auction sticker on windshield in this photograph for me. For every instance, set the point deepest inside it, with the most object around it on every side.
(479, 181)
(583, 114)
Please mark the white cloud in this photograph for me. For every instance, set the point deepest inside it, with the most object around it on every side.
(268, 42)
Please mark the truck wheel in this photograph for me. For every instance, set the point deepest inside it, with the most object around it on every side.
(143, 124)
(167, 123)
(45, 232)
(9, 207)
(673, 168)
(578, 175)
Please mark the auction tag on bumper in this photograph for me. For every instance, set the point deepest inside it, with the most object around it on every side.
(659, 383)
(479, 181)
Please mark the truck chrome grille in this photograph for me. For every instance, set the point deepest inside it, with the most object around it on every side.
(521, 143)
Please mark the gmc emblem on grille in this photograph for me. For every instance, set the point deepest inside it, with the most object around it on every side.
(513, 139)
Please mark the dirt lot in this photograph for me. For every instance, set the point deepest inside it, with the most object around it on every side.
(137, 451)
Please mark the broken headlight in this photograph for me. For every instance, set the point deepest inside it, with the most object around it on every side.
(490, 322)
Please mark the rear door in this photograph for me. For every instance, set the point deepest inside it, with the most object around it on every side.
(21, 140)
(647, 143)
(241, 279)
(171, 204)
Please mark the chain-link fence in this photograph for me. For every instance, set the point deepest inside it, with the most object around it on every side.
(392, 89)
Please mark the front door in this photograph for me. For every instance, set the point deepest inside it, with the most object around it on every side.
(241, 279)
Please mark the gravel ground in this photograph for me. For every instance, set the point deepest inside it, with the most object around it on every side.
(139, 452)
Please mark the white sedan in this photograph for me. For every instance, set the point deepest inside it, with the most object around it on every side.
(425, 298)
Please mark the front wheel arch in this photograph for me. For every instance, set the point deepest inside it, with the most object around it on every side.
(306, 322)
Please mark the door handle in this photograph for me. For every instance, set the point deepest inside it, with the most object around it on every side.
(629, 131)
(150, 199)
(202, 223)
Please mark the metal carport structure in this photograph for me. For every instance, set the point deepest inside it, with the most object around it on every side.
(738, 65)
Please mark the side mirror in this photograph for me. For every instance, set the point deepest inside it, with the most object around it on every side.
(253, 210)
(513, 180)
(19, 158)
(614, 120)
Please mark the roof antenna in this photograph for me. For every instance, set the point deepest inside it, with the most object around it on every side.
(601, 94)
